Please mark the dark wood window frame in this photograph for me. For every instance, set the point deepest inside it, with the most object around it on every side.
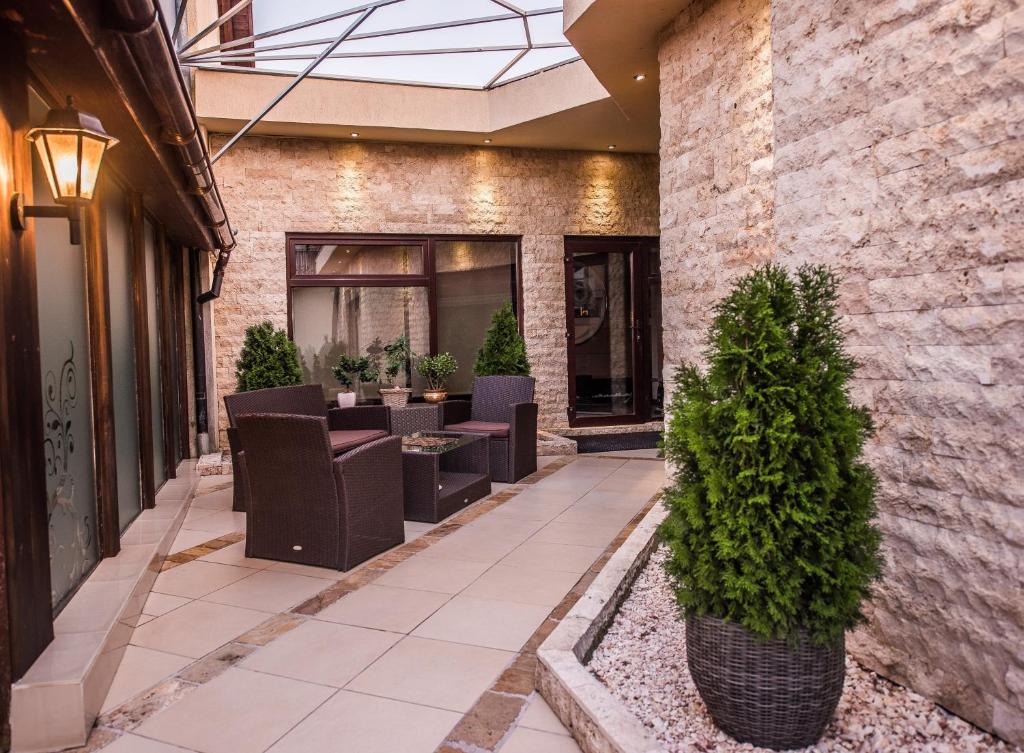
(428, 279)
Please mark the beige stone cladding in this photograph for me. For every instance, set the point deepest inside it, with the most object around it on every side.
(277, 185)
(884, 139)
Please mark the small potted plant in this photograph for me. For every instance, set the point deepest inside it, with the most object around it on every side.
(349, 370)
(436, 370)
(771, 535)
(393, 360)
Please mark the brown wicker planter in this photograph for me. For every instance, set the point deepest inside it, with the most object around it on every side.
(769, 693)
(395, 397)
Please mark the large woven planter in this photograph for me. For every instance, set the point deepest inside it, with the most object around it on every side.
(772, 694)
(396, 397)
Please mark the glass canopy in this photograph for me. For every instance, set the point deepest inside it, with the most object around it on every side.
(475, 44)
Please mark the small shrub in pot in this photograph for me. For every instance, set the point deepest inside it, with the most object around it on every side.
(349, 370)
(503, 352)
(771, 534)
(268, 359)
(436, 370)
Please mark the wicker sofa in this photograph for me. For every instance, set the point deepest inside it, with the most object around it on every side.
(502, 408)
(307, 505)
(348, 428)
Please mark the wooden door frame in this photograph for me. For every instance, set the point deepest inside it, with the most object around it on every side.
(639, 248)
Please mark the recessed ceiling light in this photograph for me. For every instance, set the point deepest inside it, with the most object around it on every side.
(487, 141)
(639, 76)
(354, 135)
(611, 146)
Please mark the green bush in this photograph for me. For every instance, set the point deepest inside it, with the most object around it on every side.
(268, 359)
(504, 350)
(770, 509)
(437, 369)
(350, 368)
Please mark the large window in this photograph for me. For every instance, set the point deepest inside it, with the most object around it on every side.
(349, 295)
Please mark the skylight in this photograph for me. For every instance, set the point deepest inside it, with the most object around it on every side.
(476, 44)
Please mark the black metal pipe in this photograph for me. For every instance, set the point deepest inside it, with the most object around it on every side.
(198, 351)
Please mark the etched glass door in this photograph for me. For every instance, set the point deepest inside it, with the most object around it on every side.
(67, 416)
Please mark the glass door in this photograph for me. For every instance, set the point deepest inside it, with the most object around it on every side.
(609, 331)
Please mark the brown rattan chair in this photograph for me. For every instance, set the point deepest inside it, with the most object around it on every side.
(310, 507)
(502, 408)
(349, 427)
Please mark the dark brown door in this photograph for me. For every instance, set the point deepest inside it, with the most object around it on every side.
(611, 337)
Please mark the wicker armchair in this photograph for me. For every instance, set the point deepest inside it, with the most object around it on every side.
(349, 427)
(310, 507)
(502, 407)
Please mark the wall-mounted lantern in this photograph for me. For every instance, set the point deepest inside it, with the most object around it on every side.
(71, 145)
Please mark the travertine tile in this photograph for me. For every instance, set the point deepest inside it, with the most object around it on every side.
(399, 610)
(484, 622)
(197, 628)
(525, 585)
(268, 590)
(563, 557)
(429, 574)
(198, 578)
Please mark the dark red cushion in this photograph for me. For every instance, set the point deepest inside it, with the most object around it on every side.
(480, 427)
(348, 439)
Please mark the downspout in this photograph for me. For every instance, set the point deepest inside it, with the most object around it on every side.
(144, 33)
(199, 355)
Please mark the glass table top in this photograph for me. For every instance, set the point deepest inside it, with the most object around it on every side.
(436, 442)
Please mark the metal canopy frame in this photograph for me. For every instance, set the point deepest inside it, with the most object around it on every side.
(229, 52)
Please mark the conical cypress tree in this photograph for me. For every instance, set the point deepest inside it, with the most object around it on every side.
(770, 509)
(268, 359)
(504, 350)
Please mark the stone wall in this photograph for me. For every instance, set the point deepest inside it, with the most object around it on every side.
(276, 185)
(885, 140)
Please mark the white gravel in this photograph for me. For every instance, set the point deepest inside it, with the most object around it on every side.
(642, 660)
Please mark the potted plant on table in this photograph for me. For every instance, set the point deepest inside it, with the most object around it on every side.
(268, 359)
(770, 527)
(436, 370)
(391, 360)
(349, 370)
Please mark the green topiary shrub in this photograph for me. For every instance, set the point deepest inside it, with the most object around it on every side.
(436, 369)
(349, 369)
(504, 350)
(770, 509)
(268, 359)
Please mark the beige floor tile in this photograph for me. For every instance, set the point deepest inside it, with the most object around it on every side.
(399, 610)
(533, 508)
(234, 554)
(517, 529)
(158, 604)
(484, 622)
(603, 518)
(373, 725)
(523, 585)
(197, 628)
(188, 539)
(237, 712)
(525, 740)
(577, 534)
(322, 652)
(563, 557)
(135, 744)
(414, 529)
(324, 573)
(141, 668)
(471, 546)
(269, 591)
(433, 673)
(539, 716)
(218, 522)
(198, 578)
(428, 574)
(222, 499)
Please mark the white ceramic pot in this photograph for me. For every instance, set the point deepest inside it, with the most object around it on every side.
(346, 399)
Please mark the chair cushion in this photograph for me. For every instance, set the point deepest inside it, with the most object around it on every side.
(480, 427)
(348, 439)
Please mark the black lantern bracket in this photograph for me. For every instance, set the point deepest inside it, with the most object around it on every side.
(20, 214)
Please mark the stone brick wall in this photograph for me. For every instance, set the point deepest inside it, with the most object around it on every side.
(277, 185)
(884, 139)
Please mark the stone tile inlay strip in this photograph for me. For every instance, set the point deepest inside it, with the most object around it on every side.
(496, 714)
(517, 679)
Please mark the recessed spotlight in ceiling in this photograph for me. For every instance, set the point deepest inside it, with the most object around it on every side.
(354, 135)
(639, 76)
(611, 146)
(487, 141)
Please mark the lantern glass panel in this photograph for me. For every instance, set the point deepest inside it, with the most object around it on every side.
(92, 155)
(44, 160)
(63, 149)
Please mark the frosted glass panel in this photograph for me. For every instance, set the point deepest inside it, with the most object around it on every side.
(122, 344)
(153, 322)
(67, 416)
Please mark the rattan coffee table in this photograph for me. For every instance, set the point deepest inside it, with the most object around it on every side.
(441, 478)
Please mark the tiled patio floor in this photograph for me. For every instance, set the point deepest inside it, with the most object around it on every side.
(391, 667)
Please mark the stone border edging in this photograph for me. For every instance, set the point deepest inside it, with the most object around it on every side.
(599, 722)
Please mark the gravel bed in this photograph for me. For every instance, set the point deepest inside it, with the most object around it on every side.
(642, 660)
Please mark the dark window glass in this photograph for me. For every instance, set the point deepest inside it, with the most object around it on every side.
(358, 259)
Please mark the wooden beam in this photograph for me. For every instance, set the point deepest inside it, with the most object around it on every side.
(140, 331)
(104, 443)
(23, 481)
